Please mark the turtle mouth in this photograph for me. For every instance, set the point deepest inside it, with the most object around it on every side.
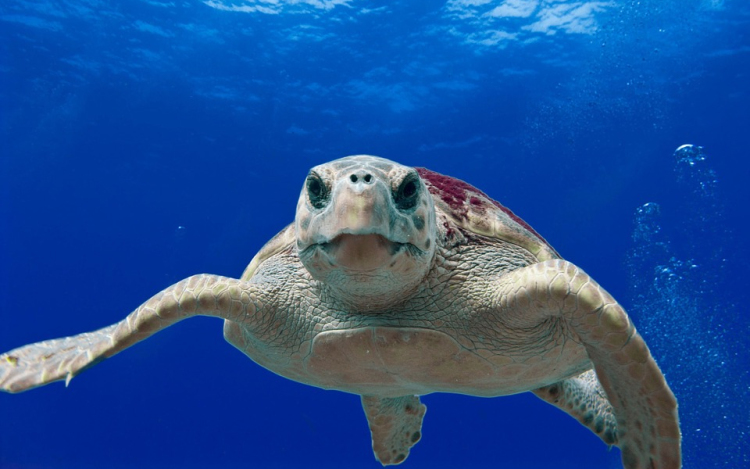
(362, 252)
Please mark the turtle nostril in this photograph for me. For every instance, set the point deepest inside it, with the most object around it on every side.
(366, 178)
(360, 177)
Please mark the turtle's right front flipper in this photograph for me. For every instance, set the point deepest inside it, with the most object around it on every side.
(53, 360)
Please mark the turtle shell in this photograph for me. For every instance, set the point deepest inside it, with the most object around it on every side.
(474, 211)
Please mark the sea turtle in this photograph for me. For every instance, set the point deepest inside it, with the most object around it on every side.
(394, 282)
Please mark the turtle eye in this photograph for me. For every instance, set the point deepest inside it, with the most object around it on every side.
(317, 191)
(406, 195)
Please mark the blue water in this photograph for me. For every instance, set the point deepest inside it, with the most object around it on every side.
(145, 141)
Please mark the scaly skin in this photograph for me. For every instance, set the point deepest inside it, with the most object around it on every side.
(394, 283)
(395, 424)
(62, 359)
(644, 407)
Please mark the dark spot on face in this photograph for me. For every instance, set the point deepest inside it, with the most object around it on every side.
(418, 221)
(415, 437)
(400, 458)
(407, 194)
(317, 191)
(408, 408)
(395, 248)
(553, 390)
(475, 201)
(588, 418)
(609, 436)
(304, 223)
(427, 243)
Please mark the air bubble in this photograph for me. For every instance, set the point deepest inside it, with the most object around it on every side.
(689, 154)
(646, 222)
(681, 306)
(692, 170)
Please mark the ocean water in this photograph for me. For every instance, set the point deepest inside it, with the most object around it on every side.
(145, 141)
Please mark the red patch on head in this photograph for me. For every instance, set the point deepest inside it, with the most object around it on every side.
(451, 191)
(454, 192)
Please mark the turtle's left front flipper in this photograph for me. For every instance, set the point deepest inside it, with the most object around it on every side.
(53, 360)
(645, 410)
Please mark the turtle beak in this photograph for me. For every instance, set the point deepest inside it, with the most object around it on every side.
(357, 230)
(361, 252)
(358, 206)
(359, 209)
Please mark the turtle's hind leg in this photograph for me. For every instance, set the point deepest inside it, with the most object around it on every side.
(395, 425)
(584, 398)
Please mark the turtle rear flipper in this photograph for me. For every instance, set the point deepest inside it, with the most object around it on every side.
(201, 295)
(582, 397)
(395, 425)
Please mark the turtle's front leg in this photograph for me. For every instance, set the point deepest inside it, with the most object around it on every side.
(644, 407)
(52, 360)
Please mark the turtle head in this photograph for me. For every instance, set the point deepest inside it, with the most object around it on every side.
(365, 227)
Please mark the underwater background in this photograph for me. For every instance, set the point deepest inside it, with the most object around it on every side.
(145, 141)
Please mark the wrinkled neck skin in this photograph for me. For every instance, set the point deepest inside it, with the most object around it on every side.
(377, 289)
